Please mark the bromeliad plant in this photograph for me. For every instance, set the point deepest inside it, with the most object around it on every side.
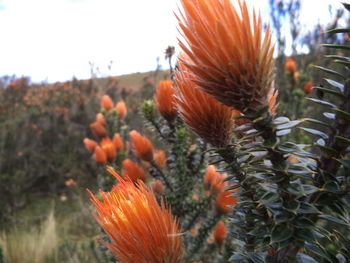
(286, 201)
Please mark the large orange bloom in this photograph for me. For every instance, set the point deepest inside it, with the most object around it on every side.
(224, 200)
(210, 119)
(165, 100)
(140, 230)
(230, 59)
(143, 147)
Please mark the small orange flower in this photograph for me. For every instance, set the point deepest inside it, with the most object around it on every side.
(108, 146)
(210, 119)
(143, 147)
(160, 158)
(121, 109)
(100, 155)
(118, 142)
(224, 200)
(132, 170)
(101, 119)
(308, 87)
(230, 59)
(214, 180)
(90, 144)
(158, 187)
(98, 130)
(20, 154)
(291, 65)
(106, 102)
(140, 230)
(220, 233)
(165, 100)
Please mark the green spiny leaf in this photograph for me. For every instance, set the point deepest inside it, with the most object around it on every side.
(315, 132)
(280, 233)
(344, 47)
(329, 71)
(322, 102)
(336, 84)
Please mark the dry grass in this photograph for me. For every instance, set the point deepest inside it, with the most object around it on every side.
(36, 245)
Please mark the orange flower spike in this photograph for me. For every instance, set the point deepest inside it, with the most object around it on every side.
(230, 59)
(165, 100)
(291, 66)
(90, 144)
(160, 158)
(100, 155)
(224, 200)
(118, 142)
(210, 175)
(101, 119)
(108, 146)
(143, 147)
(220, 233)
(308, 87)
(133, 171)
(140, 230)
(106, 102)
(98, 129)
(121, 109)
(208, 118)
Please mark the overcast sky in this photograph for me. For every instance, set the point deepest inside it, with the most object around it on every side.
(54, 40)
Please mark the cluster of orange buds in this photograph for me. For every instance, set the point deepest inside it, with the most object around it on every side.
(139, 228)
(214, 180)
(108, 148)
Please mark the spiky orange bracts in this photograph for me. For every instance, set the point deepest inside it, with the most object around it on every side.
(143, 147)
(165, 100)
(210, 119)
(230, 59)
(140, 230)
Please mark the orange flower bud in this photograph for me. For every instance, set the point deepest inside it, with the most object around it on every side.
(210, 175)
(143, 147)
(133, 171)
(108, 146)
(158, 187)
(220, 233)
(100, 155)
(165, 100)
(308, 87)
(118, 142)
(296, 76)
(291, 65)
(101, 119)
(160, 158)
(224, 200)
(90, 144)
(121, 109)
(98, 130)
(106, 102)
